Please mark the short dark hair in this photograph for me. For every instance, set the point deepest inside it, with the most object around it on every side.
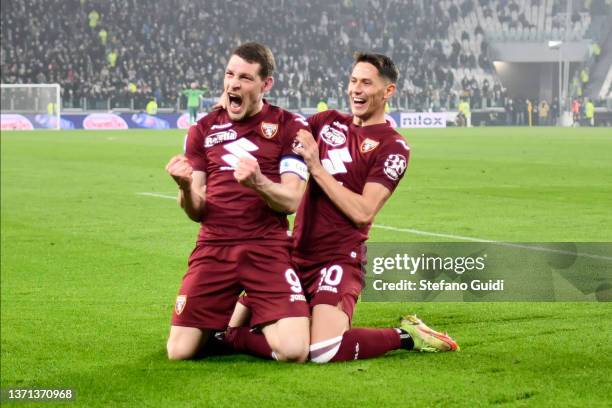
(385, 66)
(254, 52)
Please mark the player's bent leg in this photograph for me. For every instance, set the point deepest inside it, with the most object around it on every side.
(334, 340)
(240, 316)
(327, 326)
(327, 322)
(185, 342)
(289, 338)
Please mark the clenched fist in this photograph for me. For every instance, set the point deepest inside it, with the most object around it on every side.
(247, 172)
(180, 169)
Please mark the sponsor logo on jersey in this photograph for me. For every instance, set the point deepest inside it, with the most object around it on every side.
(221, 126)
(297, 298)
(395, 165)
(328, 288)
(220, 137)
(237, 150)
(368, 145)
(332, 137)
(340, 126)
(268, 130)
(179, 306)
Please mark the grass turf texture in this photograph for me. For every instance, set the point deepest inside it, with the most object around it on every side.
(90, 271)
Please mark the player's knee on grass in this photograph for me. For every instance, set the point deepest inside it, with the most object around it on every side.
(180, 351)
(185, 342)
(292, 350)
(289, 339)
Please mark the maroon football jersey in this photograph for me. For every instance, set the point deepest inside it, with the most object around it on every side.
(214, 145)
(354, 155)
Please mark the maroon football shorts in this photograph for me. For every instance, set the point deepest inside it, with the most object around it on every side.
(218, 274)
(334, 281)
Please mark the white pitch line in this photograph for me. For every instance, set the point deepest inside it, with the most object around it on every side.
(506, 244)
(430, 234)
(158, 195)
(448, 236)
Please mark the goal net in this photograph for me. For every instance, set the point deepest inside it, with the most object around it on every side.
(30, 106)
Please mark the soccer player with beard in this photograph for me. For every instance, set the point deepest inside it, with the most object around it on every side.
(239, 178)
(355, 165)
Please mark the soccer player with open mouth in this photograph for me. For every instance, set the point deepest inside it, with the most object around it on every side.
(239, 178)
(355, 165)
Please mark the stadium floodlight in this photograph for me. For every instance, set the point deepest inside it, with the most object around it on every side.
(555, 45)
(29, 106)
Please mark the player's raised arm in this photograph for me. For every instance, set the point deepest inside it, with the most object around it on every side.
(189, 173)
(192, 186)
(283, 197)
(359, 208)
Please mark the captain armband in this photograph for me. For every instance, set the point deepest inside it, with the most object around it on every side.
(294, 165)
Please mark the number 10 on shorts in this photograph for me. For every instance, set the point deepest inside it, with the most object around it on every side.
(330, 278)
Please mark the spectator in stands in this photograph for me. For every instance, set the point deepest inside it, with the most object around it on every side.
(576, 111)
(158, 46)
(151, 108)
(464, 110)
(554, 111)
(543, 113)
(322, 106)
(509, 109)
(529, 112)
(589, 112)
(520, 109)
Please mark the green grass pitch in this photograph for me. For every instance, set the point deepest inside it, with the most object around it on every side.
(90, 271)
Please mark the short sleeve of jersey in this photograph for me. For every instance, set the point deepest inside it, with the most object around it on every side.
(292, 125)
(390, 163)
(194, 149)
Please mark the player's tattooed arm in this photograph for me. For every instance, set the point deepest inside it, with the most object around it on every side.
(359, 208)
(192, 186)
(283, 197)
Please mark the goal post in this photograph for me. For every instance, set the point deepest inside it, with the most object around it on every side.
(30, 106)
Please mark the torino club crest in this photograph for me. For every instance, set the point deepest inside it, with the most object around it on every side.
(395, 165)
(268, 129)
(181, 301)
(368, 145)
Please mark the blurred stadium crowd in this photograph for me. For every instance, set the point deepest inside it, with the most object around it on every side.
(120, 52)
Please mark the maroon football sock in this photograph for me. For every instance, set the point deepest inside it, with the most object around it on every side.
(243, 340)
(362, 343)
